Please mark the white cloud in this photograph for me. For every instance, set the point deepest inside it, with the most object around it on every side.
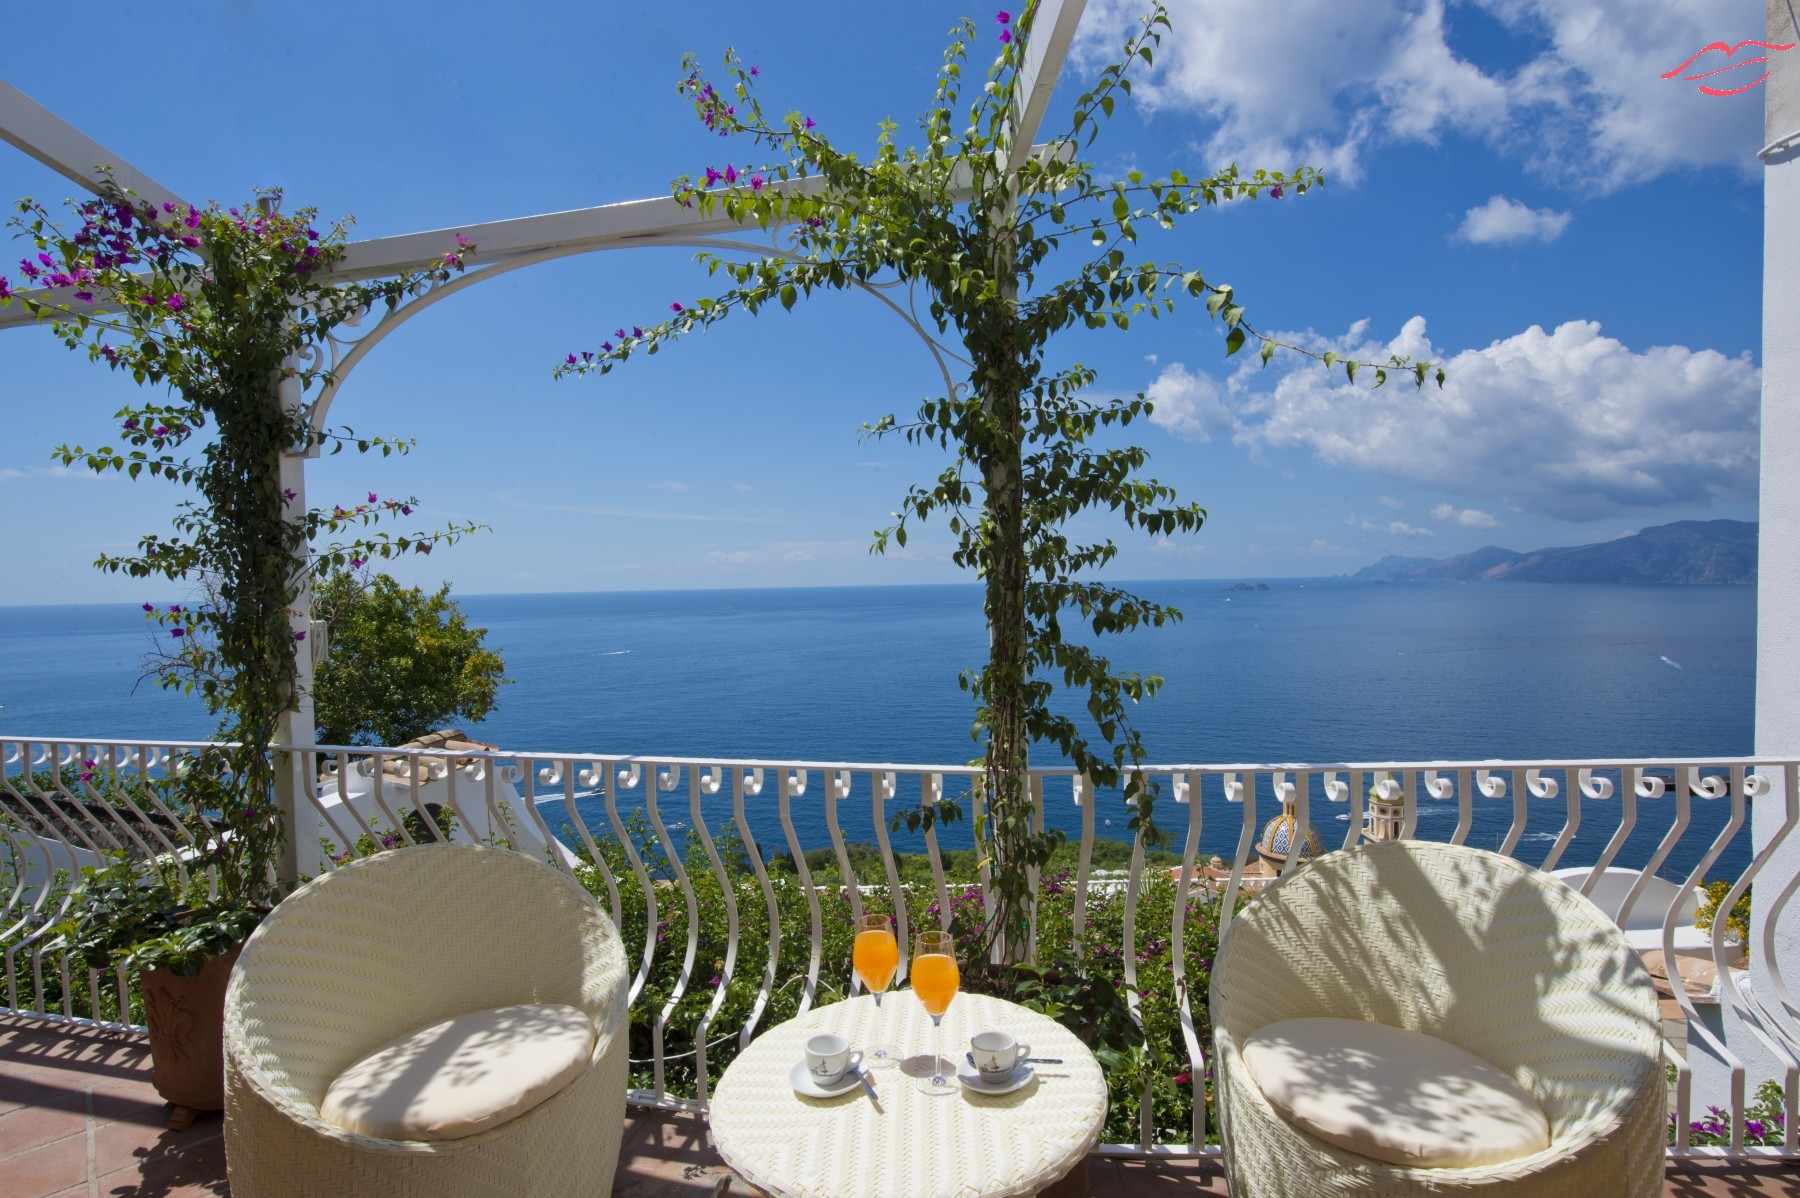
(1568, 424)
(669, 484)
(1501, 221)
(1468, 517)
(1390, 502)
(1398, 528)
(1190, 405)
(742, 488)
(1165, 545)
(1332, 79)
(736, 558)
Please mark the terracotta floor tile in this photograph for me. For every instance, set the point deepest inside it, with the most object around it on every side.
(61, 1113)
(127, 1145)
(16, 1090)
(1726, 1180)
(46, 1169)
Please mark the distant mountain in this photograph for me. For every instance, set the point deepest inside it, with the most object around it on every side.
(1393, 566)
(1688, 552)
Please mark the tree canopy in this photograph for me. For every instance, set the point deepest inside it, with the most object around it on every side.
(402, 662)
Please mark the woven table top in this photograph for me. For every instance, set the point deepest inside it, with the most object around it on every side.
(909, 1144)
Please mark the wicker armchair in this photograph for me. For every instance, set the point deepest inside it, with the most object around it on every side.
(1475, 949)
(389, 943)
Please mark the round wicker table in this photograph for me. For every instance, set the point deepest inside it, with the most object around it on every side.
(906, 1144)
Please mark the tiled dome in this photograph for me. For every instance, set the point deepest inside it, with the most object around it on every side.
(1278, 836)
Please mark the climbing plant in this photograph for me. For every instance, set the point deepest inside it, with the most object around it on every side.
(973, 225)
(215, 308)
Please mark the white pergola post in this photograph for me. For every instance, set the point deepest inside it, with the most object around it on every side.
(1778, 568)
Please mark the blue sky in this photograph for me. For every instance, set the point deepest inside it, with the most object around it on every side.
(1512, 189)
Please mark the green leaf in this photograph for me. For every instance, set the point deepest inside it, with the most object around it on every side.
(1234, 341)
(1268, 351)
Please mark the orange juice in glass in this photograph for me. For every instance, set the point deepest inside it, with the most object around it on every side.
(875, 957)
(934, 980)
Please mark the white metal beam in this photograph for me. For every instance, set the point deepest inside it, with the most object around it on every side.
(498, 241)
(1052, 32)
(46, 137)
(67, 150)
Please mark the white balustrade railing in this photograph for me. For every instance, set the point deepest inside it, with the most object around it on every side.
(644, 834)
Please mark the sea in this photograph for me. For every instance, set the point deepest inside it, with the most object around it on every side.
(1308, 671)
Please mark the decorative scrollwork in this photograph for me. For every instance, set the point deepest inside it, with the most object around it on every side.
(1708, 786)
(1540, 786)
(1593, 786)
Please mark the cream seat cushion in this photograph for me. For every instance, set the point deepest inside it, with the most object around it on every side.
(461, 1076)
(1397, 1096)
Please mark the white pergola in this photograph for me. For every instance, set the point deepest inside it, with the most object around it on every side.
(502, 247)
(509, 245)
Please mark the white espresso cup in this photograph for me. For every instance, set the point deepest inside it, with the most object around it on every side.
(828, 1057)
(997, 1054)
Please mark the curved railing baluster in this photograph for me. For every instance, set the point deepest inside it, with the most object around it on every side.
(792, 785)
(1187, 792)
(882, 787)
(1240, 787)
(665, 779)
(1084, 863)
(837, 787)
(627, 774)
(708, 784)
(751, 781)
(931, 792)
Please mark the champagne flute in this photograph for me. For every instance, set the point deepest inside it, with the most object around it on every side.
(934, 980)
(876, 956)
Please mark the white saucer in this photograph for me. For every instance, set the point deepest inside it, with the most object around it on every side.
(803, 1082)
(1021, 1075)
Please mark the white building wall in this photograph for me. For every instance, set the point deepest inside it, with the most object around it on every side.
(1778, 577)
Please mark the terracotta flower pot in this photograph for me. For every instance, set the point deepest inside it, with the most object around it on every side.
(187, 1034)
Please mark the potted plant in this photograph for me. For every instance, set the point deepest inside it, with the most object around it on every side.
(140, 916)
